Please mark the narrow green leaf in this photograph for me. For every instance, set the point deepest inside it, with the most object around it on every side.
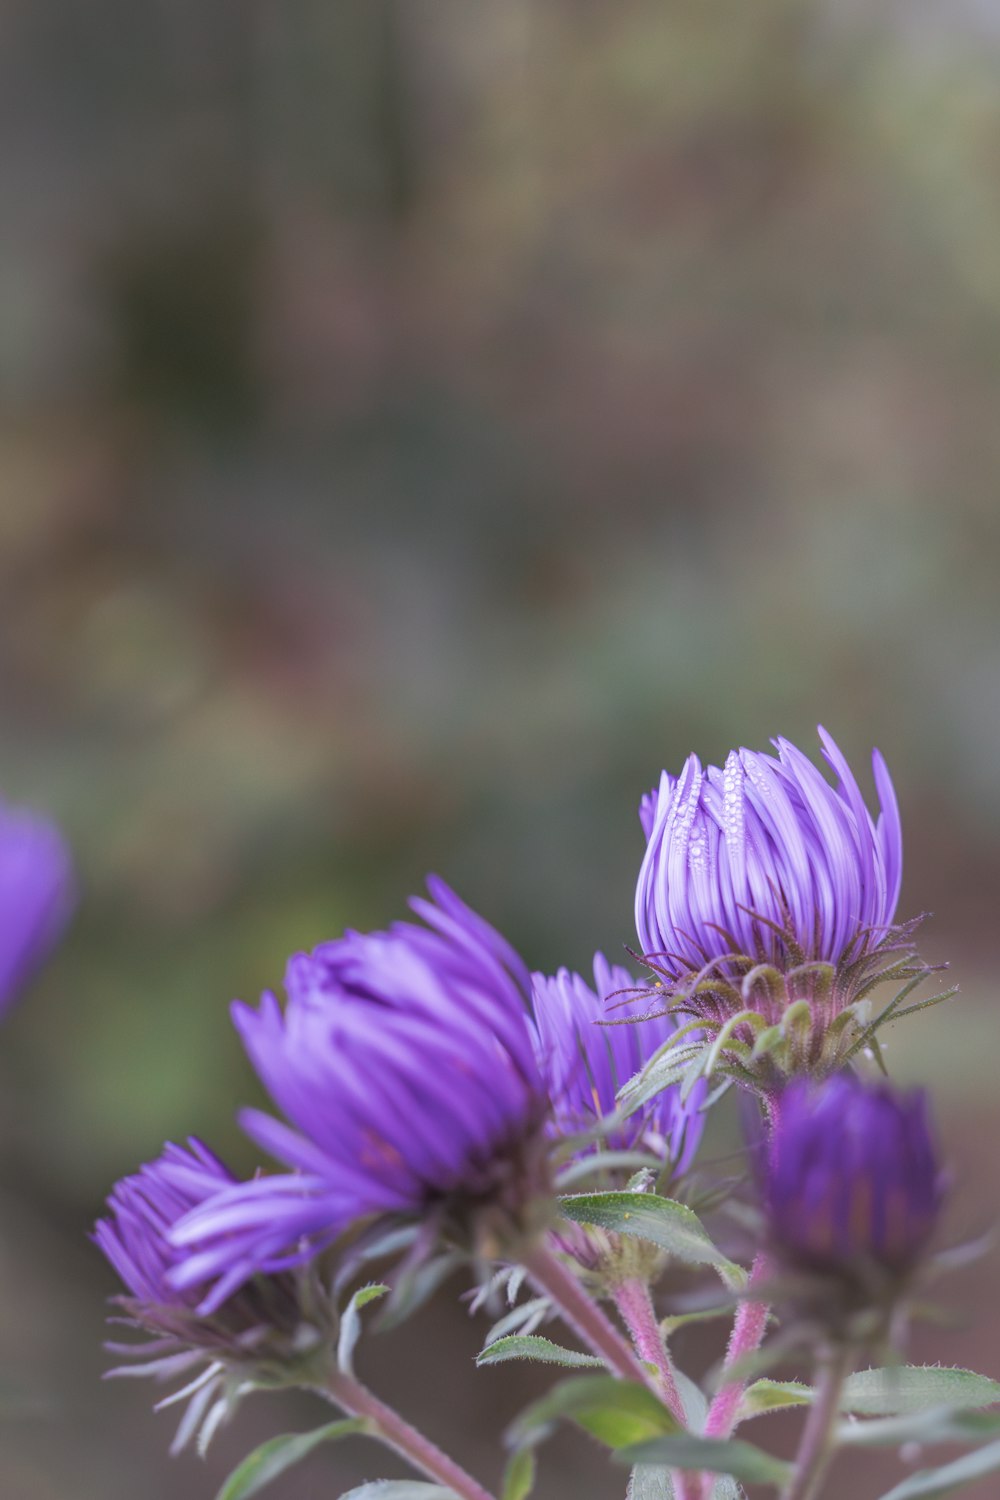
(939, 1424)
(772, 1395)
(272, 1458)
(673, 1226)
(685, 1450)
(931, 1484)
(519, 1476)
(533, 1346)
(399, 1489)
(909, 1388)
(350, 1323)
(615, 1411)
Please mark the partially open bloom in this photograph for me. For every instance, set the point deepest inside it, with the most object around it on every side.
(590, 1041)
(36, 895)
(404, 1064)
(852, 1188)
(764, 885)
(260, 1328)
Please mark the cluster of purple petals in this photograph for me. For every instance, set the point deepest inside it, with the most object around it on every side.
(404, 1067)
(585, 1063)
(767, 838)
(36, 895)
(143, 1209)
(853, 1177)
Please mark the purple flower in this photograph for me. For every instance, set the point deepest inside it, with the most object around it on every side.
(36, 895)
(260, 1328)
(852, 1182)
(403, 1063)
(766, 859)
(585, 1063)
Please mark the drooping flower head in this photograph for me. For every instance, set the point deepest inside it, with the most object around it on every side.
(764, 884)
(403, 1064)
(585, 1061)
(36, 895)
(852, 1189)
(261, 1326)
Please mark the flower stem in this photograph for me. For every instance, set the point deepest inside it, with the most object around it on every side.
(583, 1315)
(745, 1339)
(816, 1447)
(391, 1429)
(635, 1305)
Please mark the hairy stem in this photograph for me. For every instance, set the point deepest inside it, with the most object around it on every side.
(748, 1331)
(635, 1305)
(391, 1429)
(816, 1447)
(583, 1315)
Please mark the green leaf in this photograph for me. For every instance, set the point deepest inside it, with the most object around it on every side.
(939, 1424)
(930, 1484)
(772, 1395)
(350, 1323)
(685, 1450)
(533, 1346)
(615, 1411)
(910, 1388)
(672, 1226)
(519, 1476)
(650, 1482)
(399, 1489)
(272, 1458)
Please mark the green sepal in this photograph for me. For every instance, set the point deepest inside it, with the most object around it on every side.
(350, 1323)
(533, 1346)
(772, 1395)
(617, 1412)
(272, 1458)
(519, 1476)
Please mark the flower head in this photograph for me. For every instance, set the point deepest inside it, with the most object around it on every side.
(765, 885)
(259, 1329)
(852, 1187)
(403, 1064)
(585, 1061)
(36, 895)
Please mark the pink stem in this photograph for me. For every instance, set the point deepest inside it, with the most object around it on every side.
(582, 1314)
(748, 1331)
(633, 1301)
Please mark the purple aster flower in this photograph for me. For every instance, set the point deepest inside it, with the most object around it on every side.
(404, 1066)
(585, 1062)
(767, 858)
(852, 1188)
(36, 895)
(262, 1327)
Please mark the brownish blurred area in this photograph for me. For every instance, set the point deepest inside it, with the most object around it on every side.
(419, 423)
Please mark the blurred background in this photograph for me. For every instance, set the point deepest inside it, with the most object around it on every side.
(421, 422)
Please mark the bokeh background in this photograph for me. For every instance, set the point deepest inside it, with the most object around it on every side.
(422, 421)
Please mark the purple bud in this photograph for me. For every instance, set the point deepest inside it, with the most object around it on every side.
(852, 1183)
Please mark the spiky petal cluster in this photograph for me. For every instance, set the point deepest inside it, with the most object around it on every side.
(852, 1186)
(765, 858)
(36, 895)
(404, 1064)
(592, 1040)
(263, 1329)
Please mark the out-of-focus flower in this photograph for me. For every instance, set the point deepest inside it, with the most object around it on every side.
(262, 1329)
(852, 1189)
(36, 895)
(585, 1061)
(404, 1063)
